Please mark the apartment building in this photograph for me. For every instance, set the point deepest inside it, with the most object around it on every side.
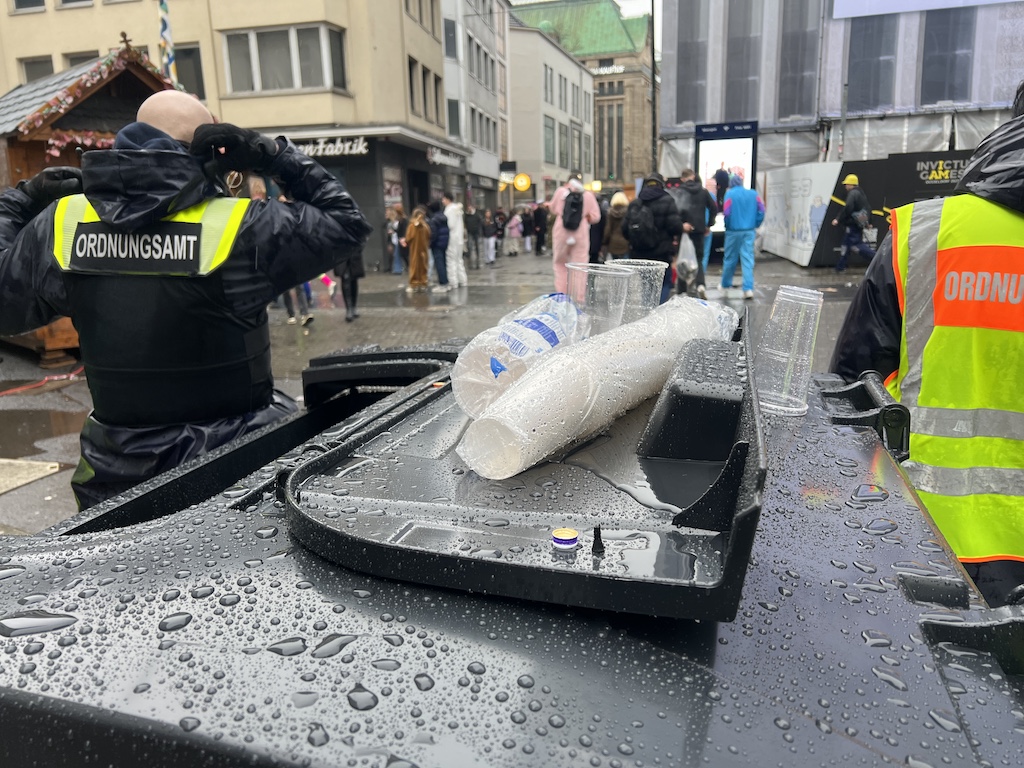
(476, 89)
(553, 134)
(830, 79)
(359, 85)
(617, 51)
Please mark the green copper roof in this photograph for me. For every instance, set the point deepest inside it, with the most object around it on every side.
(587, 27)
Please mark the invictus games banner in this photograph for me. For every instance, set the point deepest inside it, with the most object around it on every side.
(923, 175)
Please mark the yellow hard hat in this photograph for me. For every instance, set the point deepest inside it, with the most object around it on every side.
(851, 178)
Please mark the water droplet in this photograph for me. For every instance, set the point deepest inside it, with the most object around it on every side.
(362, 699)
(388, 665)
(395, 640)
(423, 681)
(229, 600)
(556, 721)
(189, 723)
(175, 621)
(362, 593)
(876, 639)
(625, 749)
(303, 699)
(200, 592)
(141, 688)
(293, 646)
(266, 532)
(9, 571)
(887, 675)
(782, 723)
(870, 493)
(331, 645)
(946, 720)
(317, 735)
(33, 622)
(525, 681)
(518, 717)
(27, 668)
(476, 668)
(880, 527)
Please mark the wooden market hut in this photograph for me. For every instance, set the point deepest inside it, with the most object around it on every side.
(45, 122)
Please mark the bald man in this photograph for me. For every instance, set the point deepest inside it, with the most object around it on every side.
(167, 281)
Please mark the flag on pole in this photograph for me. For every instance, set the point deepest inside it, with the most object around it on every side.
(167, 65)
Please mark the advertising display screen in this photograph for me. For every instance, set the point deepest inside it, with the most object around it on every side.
(728, 146)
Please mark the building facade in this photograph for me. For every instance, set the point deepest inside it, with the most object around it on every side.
(832, 79)
(476, 90)
(553, 134)
(358, 85)
(618, 53)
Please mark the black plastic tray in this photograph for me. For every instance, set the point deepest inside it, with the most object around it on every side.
(666, 501)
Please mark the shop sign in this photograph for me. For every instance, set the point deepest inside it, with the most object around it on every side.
(484, 183)
(440, 157)
(339, 147)
(522, 182)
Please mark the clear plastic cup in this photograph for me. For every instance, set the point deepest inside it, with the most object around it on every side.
(644, 294)
(782, 365)
(599, 291)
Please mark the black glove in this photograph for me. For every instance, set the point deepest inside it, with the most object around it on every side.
(52, 184)
(225, 147)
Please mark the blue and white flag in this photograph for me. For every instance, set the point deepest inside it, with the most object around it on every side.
(167, 65)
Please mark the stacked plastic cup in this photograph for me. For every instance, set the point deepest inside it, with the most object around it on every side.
(599, 291)
(644, 294)
(782, 365)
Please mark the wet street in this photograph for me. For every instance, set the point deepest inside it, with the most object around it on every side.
(39, 423)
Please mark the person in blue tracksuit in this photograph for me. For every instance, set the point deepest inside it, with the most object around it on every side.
(744, 212)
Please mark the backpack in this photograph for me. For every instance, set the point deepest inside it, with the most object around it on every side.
(572, 211)
(643, 234)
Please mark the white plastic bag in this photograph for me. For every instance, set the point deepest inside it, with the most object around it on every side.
(498, 356)
(686, 260)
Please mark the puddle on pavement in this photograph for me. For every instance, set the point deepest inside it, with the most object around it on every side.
(20, 430)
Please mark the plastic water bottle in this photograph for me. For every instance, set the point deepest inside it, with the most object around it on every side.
(500, 355)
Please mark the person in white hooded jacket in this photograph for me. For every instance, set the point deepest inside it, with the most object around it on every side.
(456, 241)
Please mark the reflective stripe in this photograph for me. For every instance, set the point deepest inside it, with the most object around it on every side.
(221, 219)
(965, 422)
(918, 314)
(964, 481)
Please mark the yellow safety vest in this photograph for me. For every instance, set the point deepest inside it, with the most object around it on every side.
(192, 242)
(959, 266)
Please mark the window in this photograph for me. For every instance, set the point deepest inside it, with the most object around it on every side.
(37, 68)
(285, 59)
(549, 139)
(548, 95)
(451, 40)
(454, 124)
(503, 147)
(588, 104)
(692, 67)
(190, 69)
(24, 5)
(433, 17)
(798, 66)
(425, 75)
(586, 153)
(599, 143)
(71, 3)
(413, 80)
(439, 100)
(502, 80)
(563, 145)
(948, 53)
(74, 59)
(563, 98)
(471, 54)
(743, 59)
(472, 125)
(871, 69)
(575, 100)
(577, 148)
(605, 62)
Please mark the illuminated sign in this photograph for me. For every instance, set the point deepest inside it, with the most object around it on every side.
(339, 147)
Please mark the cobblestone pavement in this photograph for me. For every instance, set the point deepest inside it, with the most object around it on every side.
(38, 428)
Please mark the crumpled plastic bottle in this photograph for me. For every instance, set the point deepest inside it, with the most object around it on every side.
(500, 355)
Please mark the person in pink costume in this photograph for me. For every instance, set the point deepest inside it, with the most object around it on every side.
(571, 246)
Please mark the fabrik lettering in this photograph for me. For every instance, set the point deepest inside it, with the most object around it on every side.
(338, 147)
(935, 171)
(1002, 287)
(116, 245)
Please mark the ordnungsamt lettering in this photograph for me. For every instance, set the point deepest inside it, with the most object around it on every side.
(1003, 287)
(118, 245)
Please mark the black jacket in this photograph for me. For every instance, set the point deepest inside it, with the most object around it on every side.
(870, 337)
(666, 220)
(694, 203)
(540, 219)
(856, 200)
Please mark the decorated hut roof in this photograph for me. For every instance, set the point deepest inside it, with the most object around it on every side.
(44, 102)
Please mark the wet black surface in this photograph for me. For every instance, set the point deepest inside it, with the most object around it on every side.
(212, 637)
